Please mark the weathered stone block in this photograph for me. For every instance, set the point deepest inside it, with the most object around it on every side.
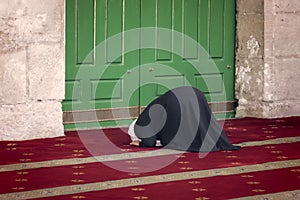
(9, 35)
(287, 31)
(249, 79)
(44, 22)
(31, 120)
(286, 79)
(268, 109)
(250, 35)
(30, 21)
(249, 109)
(287, 6)
(268, 94)
(13, 80)
(281, 109)
(253, 6)
(8, 6)
(46, 71)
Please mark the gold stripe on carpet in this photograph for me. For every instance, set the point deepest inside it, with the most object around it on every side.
(271, 141)
(125, 156)
(78, 161)
(129, 182)
(288, 195)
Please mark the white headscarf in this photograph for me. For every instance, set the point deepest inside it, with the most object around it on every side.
(131, 132)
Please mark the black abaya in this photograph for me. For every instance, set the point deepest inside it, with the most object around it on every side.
(182, 120)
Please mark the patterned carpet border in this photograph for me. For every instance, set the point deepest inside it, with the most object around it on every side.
(98, 186)
(125, 156)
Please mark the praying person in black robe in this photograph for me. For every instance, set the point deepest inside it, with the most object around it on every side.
(179, 119)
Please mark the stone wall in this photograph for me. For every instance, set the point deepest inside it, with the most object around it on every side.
(31, 68)
(268, 58)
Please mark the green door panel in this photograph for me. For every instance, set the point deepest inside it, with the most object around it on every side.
(177, 43)
(198, 57)
(96, 66)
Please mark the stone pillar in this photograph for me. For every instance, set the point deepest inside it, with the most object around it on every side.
(32, 68)
(249, 57)
(282, 58)
(267, 58)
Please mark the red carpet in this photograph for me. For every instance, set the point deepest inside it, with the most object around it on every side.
(224, 187)
(241, 130)
(258, 168)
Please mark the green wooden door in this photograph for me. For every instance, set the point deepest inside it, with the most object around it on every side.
(111, 72)
(202, 31)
